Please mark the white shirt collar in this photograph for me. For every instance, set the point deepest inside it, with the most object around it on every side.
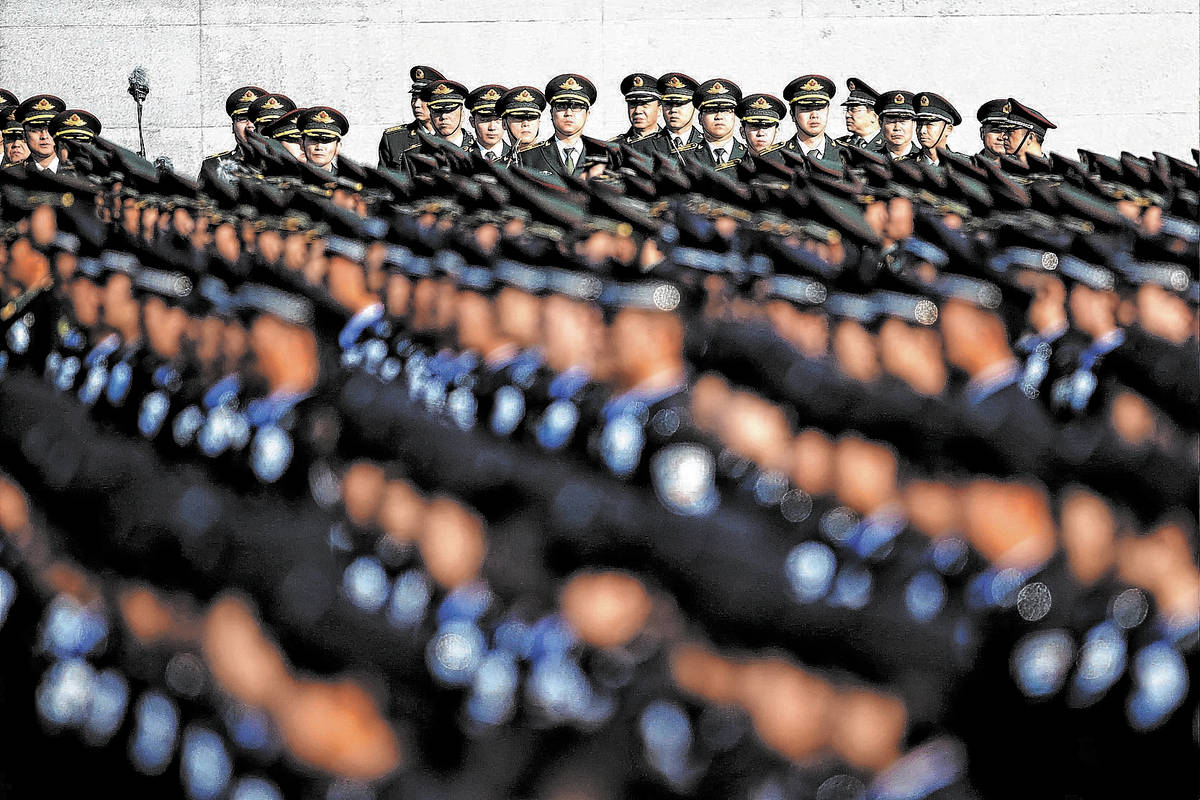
(52, 166)
(498, 150)
(457, 138)
(576, 148)
(819, 149)
(726, 145)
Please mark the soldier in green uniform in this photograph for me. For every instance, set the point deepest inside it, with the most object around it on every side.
(521, 110)
(679, 136)
(936, 120)
(73, 125)
(899, 119)
(487, 124)
(283, 130)
(16, 149)
(642, 99)
(809, 97)
(237, 106)
(35, 114)
(398, 139)
(1027, 133)
(322, 129)
(570, 97)
(861, 119)
(717, 104)
(993, 128)
(445, 100)
(268, 108)
(760, 115)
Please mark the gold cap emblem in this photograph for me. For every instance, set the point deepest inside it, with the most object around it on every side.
(323, 117)
(637, 81)
(924, 100)
(491, 94)
(718, 88)
(811, 86)
(570, 84)
(442, 89)
(1007, 108)
(899, 98)
(760, 103)
(418, 73)
(248, 97)
(675, 83)
(851, 85)
(524, 97)
(272, 104)
(43, 105)
(75, 121)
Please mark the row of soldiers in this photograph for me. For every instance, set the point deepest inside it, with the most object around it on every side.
(799, 478)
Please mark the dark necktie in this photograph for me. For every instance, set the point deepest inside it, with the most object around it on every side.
(489, 155)
(720, 154)
(678, 143)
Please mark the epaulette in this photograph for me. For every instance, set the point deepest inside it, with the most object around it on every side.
(412, 146)
(837, 143)
(842, 140)
(532, 146)
(733, 162)
(222, 154)
(770, 149)
(686, 147)
(395, 128)
(13, 164)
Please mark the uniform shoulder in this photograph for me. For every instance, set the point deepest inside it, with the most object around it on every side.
(401, 128)
(221, 154)
(525, 148)
(842, 140)
(772, 148)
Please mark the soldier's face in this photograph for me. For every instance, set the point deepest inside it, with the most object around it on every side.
(898, 130)
(41, 143)
(15, 150)
(861, 119)
(242, 125)
(717, 123)
(759, 136)
(994, 138)
(320, 152)
(420, 109)
(678, 115)
(489, 130)
(933, 133)
(643, 114)
(446, 121)
(1018, 141)
(294, 147)
(811, 120)
(523, 130)
(568, 118)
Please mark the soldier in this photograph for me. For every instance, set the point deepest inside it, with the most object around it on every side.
(642, 102)
(936, 120)
(566, 152)
(521, 109)
(1027, 133)
(35, 114)
(237, 106)
(719, 98)
(861, 119)
(809, 97)
(74, 125)
(16, 149)
(399, 139)
(445, 101)
(268, 108)
(321, 130)
(760, 115)
(486, 121)
(283, 130)
(898, 117)
(993, 128)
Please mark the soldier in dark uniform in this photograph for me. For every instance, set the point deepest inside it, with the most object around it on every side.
(321, 130)
(566, 152)
(809, 97)
(268, 108)
(445, 100)
(16, 149)
(993, 128)
(898, 116)
(717, 106)
(486, 121)
(73, 125)
(399, 139)
(283, 130)
(760, 115)
(679, 135)
(1027, 133)
(35, 115)
(642, 99)
(861, 119)
(521, 109)
(936, 120)
(237, 106)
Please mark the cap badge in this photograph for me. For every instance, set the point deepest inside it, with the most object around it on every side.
(760, 103)
(248, 97)
(1007, 108)
(323, 117)
(524, 97)
(924, 100)
(570, 84)
(418, 73)
(718, 88)
(491, 94)
(272, 104)
(74, 121)
(442, 89)
(898, 99)
(43, 105)
(811, 86)
(637, 81)
(851, 85)
(675, 83)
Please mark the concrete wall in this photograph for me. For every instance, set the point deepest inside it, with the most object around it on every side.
(1111, 77)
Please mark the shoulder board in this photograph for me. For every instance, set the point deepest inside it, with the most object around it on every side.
(532, 146)
(770, 149)
(838, 143)
(13, 164)
(842, 140)
(220, 155)
(617, 138)
(687, 147)
(733, 162)
(396, 128)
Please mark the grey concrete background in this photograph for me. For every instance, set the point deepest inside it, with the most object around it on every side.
(1112, 76)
